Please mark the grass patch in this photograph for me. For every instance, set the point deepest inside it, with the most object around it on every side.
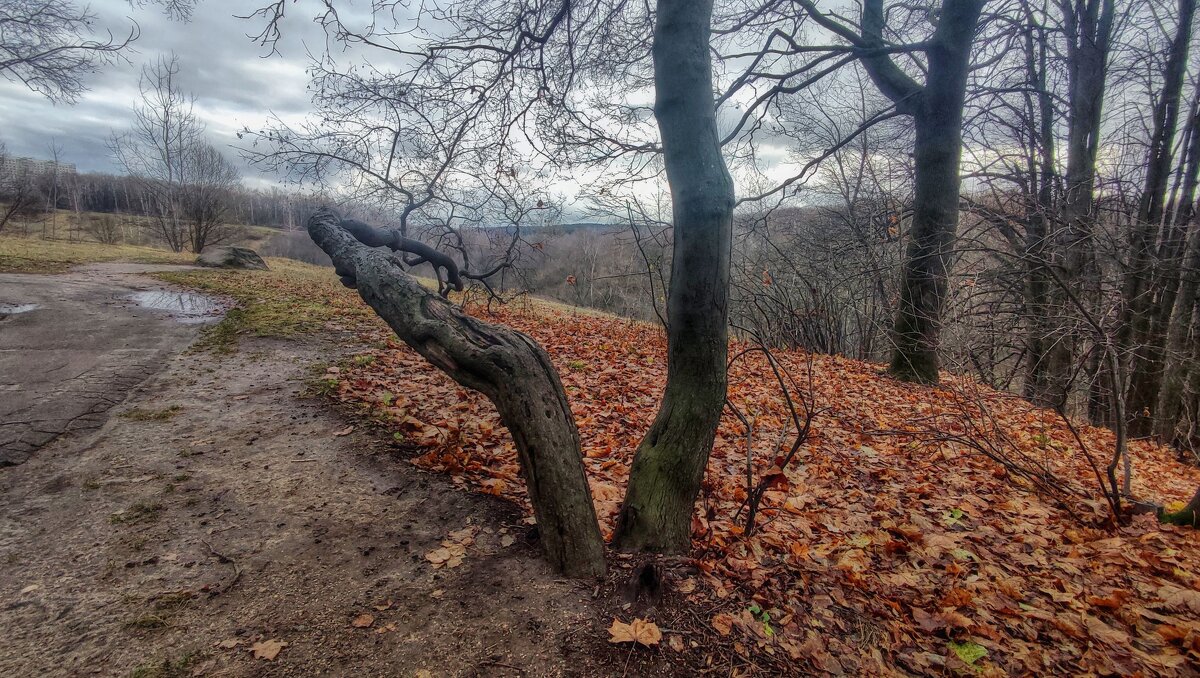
(33, 255)
(141, 414)
(167, 668)
(141, 512)
(147, 622)
(290, 299)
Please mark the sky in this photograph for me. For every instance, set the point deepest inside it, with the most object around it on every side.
(235, 85)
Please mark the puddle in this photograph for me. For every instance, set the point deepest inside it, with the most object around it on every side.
(185, 307)
(13, 309)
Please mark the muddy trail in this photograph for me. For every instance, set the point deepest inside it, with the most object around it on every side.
(220, 521)
(72, 345)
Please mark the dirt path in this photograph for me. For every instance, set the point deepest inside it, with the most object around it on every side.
(72, 345)
(230, 514)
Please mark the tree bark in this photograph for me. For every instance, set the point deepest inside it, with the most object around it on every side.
(1140, 293)
(937, 111)
(506, 366)
(1038, 308)
(669, 466)
(1088, 27)
(1179, 352)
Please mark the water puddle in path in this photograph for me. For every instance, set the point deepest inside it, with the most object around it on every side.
(184, 307)
(13, 309)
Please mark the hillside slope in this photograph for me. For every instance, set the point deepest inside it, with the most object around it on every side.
(892, 543)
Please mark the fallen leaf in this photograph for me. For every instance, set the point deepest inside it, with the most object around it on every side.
(723, 623)
(1175, 598)
(267, 649)
(638, 631)
(344, 432)
(229, 643)
(363, 620)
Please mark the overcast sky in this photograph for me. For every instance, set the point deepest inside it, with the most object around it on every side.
(233, 83)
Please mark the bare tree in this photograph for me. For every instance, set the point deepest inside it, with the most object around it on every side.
(936, 107)
(18, 190)
(186, 179)
(208, 179)
(49, 46)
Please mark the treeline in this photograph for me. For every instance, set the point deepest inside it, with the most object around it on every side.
(123, 195)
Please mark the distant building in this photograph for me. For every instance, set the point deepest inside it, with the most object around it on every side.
(12, 167)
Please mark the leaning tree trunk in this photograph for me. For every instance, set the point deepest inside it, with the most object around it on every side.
(503, 364)
(669, 466)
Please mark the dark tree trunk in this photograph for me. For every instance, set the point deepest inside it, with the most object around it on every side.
(669, 467)
(1181, 348)
(937, 111)
(1038, 307)
(503, 364)
(1088, 28)
(1139, 292)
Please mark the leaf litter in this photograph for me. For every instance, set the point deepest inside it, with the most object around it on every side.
(884, 547)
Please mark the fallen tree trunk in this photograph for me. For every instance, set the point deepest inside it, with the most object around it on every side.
(508, 367)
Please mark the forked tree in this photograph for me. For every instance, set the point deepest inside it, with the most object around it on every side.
(487, 87)
(936, 108)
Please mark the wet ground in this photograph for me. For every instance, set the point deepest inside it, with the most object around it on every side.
(73, 345)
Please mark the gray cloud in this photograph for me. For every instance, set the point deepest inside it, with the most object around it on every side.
(234, 84)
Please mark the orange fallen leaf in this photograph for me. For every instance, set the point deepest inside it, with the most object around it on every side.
(638, 631)
(363, 620)
(723, 623)
(267, 649)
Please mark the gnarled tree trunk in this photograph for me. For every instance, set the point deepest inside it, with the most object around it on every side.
(503, 364)
(669, 466)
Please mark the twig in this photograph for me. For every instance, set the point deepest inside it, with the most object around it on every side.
(222, 558)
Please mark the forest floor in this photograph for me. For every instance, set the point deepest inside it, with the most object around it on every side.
(226, 514)
(223, 521)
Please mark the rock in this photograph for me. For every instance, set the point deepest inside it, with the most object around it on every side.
(231, 256)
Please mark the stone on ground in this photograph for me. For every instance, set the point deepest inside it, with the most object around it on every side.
(231, 256)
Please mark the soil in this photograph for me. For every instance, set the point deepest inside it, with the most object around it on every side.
(219, 505)
(71, 346)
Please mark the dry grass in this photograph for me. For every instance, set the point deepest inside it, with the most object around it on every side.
(20, 254)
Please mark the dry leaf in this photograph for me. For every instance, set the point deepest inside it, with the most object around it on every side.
(267, 649)
(438, 556)
(344, 432)
(1175, 598)
(675, 642)
(723, 623)
(638, 631)
(229, 643)
(363, 620)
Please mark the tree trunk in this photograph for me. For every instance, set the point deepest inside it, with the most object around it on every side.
(1139, 293)
(1179, 352)
(669, 466)
(1088, 28)
(937, 116)
(503, 364)
(1038, 307)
